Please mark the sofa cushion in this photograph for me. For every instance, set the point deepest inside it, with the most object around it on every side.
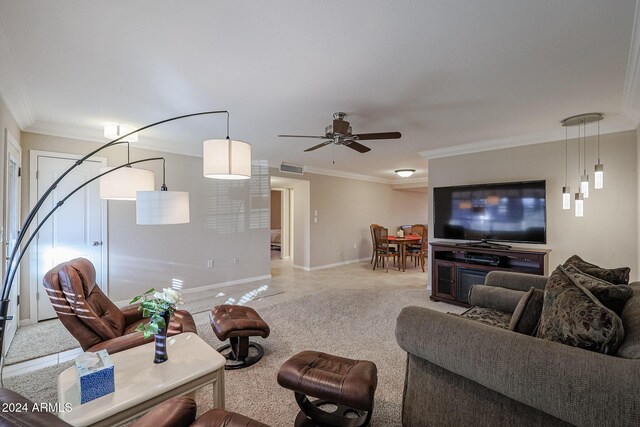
(617, 276)
(488, 316)
(630, 348)
(612, 296)
(572, 315)
(527, 313)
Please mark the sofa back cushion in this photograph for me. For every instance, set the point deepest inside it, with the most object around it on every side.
(630, 348)
(572, 315)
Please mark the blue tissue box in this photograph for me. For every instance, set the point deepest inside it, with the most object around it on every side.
(95, 381)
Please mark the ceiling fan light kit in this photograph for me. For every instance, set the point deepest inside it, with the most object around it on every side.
(405, 173)
(340, 133)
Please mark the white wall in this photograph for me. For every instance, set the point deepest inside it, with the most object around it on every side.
(228, 219)
(607, 235)
(346, 208)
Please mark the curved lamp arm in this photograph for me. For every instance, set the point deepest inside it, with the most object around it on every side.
(19, 249)
(6, 283)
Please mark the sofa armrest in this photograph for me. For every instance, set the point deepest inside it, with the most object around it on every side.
(575, 385)
(515, 281)
(121, 343)
(502, 299)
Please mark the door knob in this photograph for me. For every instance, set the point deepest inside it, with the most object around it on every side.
(96, 243)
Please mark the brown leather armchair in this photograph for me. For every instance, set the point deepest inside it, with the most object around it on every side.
(92, 318)
(176, 412)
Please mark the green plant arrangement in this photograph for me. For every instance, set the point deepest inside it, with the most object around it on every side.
(156, 305)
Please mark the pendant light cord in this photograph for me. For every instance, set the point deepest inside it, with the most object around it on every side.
(584, 147)
(598, 141)
(164, 185)
(566, 156)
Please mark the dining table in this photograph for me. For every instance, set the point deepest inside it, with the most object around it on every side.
(402, 243)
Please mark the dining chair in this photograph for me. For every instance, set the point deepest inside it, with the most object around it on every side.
(419, 251)
(373, 241)
(384, 250)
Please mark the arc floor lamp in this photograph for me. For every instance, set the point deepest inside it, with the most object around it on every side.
(222, 159)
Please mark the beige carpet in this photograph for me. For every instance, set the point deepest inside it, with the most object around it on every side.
(357, 324)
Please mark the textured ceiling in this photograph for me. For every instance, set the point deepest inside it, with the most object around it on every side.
(444, 73)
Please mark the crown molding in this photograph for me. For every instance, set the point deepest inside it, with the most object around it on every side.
(611, 124)
(343, 174)
(631, 91)
(13, 90)
(93, 135)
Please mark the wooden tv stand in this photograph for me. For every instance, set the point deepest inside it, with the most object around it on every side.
(455, 268)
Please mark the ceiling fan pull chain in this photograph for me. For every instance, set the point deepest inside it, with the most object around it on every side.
(333, 153)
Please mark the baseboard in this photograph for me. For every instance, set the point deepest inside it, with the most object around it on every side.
(207, 287)
(337, 264)
(40, 362)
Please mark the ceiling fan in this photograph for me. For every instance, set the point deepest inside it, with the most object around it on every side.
(339, 133)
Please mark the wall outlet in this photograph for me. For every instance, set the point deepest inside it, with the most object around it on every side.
(209, 263)
(236, 260)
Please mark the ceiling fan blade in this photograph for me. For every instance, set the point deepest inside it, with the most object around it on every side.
(302, 136)
(358, 147)
(380, 135)
(315, 147)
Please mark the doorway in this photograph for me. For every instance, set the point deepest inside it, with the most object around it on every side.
(281, 223)
(76, 229)
(296, 220)
(13, 158)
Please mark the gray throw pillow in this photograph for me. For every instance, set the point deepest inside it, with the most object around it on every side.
(617, 276)
(612, 296)
(572, 315)
(527, 313)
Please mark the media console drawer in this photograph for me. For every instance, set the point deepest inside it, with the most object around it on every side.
(456, 268)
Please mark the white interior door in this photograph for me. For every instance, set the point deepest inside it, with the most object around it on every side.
(76, 228)
(13, 157)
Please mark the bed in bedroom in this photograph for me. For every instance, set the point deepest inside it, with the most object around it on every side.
(276, 235)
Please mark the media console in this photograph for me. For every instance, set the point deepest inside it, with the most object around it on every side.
(455, 268)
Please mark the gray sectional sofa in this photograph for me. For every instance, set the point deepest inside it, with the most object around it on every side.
(462, 372)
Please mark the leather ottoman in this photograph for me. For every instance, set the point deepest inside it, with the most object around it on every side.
(348, 384)
(238, 323)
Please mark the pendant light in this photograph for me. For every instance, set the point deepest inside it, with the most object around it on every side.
(566, 190)
(584, 178)
(579, 202)
(583, 187)
(226, 158)
(162, 207)
(599, 168)
(122, 184)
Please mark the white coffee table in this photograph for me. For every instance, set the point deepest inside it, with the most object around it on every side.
(141, 384)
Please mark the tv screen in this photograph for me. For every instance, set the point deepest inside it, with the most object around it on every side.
(508, 212)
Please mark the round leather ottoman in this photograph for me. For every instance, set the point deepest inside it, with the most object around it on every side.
(348, 384)
(238, 323)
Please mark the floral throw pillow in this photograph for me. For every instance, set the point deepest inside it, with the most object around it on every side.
(617, 276)
(612, 296)
(572, 315)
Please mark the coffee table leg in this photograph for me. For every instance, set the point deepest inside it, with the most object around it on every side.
(218, 390)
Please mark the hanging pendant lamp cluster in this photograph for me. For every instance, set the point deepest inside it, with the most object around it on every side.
(222, 159)
(581, 121)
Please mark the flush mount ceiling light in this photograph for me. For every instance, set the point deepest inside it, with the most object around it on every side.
(114, 130)
(405, 173)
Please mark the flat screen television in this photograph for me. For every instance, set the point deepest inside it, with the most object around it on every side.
(500, 212)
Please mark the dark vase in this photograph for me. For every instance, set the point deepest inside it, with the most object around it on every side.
(161, 341)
